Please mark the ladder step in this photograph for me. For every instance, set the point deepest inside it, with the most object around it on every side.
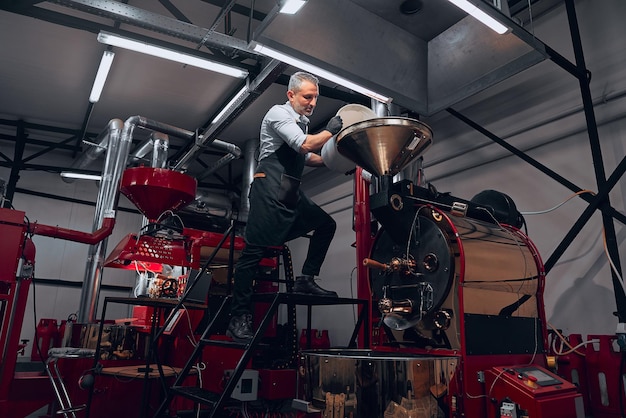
(232, 344)
(202, 396)
(224, 343)
(197, 394)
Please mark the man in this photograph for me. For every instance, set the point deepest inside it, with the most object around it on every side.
(279, 210)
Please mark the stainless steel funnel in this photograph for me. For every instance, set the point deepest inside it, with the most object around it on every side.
(384, 146)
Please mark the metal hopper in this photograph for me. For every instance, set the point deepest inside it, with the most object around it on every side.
(384, 146)
(156, 190)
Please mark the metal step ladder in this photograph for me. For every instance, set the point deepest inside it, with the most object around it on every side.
(216, 402)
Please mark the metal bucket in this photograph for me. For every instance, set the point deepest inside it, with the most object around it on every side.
(374, 384)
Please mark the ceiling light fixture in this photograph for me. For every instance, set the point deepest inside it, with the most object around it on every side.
(483, 17)
(291, 7)
(101, 76)
(82, 176)
(262, 49)
(169, 54)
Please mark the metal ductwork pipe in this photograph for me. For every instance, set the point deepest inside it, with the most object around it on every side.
(157, 145)
(250, 153)
(117, 137)
(233, 152)
(381, 109)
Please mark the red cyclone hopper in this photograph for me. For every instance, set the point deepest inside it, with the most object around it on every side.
(156, 190)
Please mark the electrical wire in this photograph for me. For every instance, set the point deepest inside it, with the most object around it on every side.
(518, 292)
(199, 368)
(541, 212)
(27, 237)
(494, 382)
(572, 349)
(172, 214)
(190, 336)
(354, 307)
(414, 224)
(613, 267)
(519, 246)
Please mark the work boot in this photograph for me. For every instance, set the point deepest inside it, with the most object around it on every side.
(240, 328)
(306, 284)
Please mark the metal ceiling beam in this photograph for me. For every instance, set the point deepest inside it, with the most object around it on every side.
(255, 88)
(135, 16)
(174, 11)
(239, 9)
(49, 145)
(235, 55)
(38, 126)
(225, 10)
(18, 153)
(20, 4)
(55, 17)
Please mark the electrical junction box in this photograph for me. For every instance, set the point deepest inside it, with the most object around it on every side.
(247, 386)
(508, 410)
(218, 361)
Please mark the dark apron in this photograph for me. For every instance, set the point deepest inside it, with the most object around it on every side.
(274, 197)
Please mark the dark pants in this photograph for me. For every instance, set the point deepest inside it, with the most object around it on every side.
(310, 218)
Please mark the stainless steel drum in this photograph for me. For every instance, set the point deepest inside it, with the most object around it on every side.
(457, 275)
(366, 383)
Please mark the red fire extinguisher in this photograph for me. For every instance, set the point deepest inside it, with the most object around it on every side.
(46, 336)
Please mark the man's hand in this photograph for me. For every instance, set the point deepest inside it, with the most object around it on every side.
(315, 142)
(334, 125)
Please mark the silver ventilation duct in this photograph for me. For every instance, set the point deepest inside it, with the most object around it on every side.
(117, 138)
(156, 145)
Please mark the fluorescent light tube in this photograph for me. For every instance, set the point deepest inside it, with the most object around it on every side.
(232, 101)
(478, 14)
(262, 49)
(82, 176)
(157, 51)
(291, 7)
(101, 76)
